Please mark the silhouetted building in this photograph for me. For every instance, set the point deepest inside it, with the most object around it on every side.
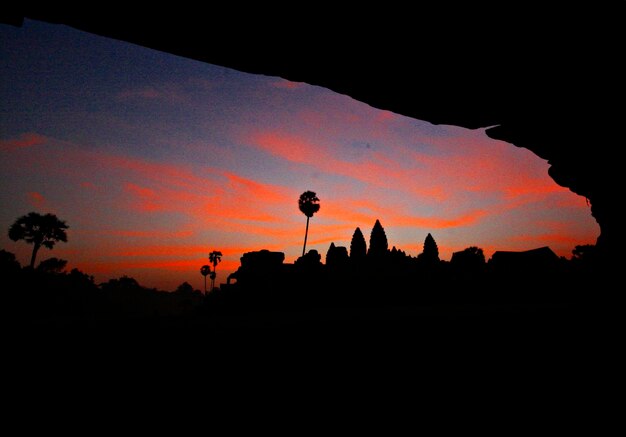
(312, 259)
(257, 265)
(397, 254)
(358, 248)
(337, 256)
(378, 241)
(471, 259)
(535, 261)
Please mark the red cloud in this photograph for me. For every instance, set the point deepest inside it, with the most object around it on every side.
(145, 198)
(25, 140)
(438, 223)
(287, 85)
(379, 171)
(366, 213)
(150, 234)
(265, 215)
(36, 199)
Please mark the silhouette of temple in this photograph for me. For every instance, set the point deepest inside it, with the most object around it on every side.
(377, 275)
(540, 260)
(258, 265)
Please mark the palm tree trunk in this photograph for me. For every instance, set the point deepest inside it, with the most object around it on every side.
(306, 234)
(204, 284)
(34, 256)
(213, 277)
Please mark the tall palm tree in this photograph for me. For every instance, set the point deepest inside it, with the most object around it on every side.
(215, 258)
(38, 230)
(204, 271)
(309, 205)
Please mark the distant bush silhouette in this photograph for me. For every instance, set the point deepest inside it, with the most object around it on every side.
(52, 265)
(184, 288)
(124, 283)
(584, 253)
(8, 262)
(308, 203)
(38, 230)
(358, 248)
(378, 241)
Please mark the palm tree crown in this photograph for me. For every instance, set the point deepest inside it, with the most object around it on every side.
(214, 258)
(309, 204)
(204, 271)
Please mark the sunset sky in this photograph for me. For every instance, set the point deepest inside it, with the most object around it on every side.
(156, 160)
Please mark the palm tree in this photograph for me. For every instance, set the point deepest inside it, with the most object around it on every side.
(214, 258)
(309, 205)
(204, 271)
(38, 230)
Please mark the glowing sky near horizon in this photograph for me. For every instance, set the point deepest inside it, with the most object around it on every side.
(156, 160)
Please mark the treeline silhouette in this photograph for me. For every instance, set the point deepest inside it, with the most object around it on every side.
(47, 293)
(361, 276)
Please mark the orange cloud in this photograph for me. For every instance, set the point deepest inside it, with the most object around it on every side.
(438, 223)
(151, 234)
(437, 178)
(164, 251)
(380, 170)
(262, 192)
(548, 238)
(146, 199)
(366, 213)
(221, 206)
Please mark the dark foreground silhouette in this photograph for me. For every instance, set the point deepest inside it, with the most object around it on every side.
(362, 299)
(392, 320)
(375, 284)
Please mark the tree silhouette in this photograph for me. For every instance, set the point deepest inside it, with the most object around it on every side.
(309, 205)
(584, 252)
(215, 258)
(378, 241)
(185, 288)
(38, 230)
(204, 271)
(358, 248)
(430, 252)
